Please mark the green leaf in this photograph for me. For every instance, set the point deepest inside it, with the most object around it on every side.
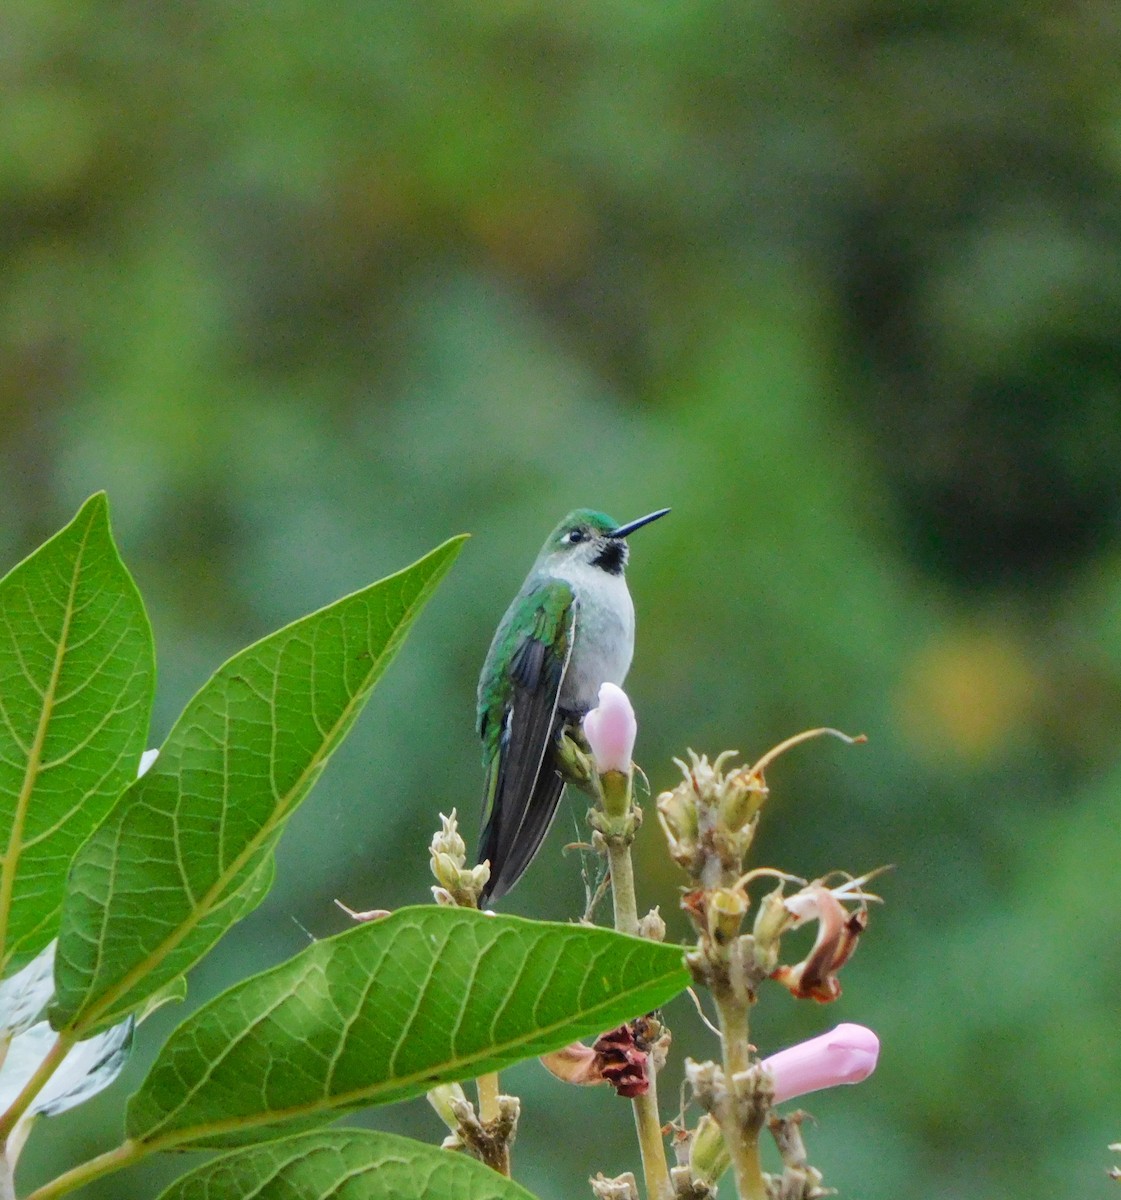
(388, 1009)
(344, 1164)
(188, 851)
(77, 671)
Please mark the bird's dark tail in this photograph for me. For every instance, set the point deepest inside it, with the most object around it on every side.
(520, 813)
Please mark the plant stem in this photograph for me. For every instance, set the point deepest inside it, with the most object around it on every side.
(748, 1172)
(622, 885)
(647, 1122)
(487, 1086)
(497, 1154)
(51, 1062)
(742, 1141)
(734, 1035)
(124, 1155)
(648, 1126)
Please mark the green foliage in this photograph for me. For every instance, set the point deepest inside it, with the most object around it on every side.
(199, 828)
(77, 673)
(344, 1164)
(387, 1010)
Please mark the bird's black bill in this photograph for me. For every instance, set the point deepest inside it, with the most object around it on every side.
(624, 530)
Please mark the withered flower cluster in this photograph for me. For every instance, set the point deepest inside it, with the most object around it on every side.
(710, 820)
(621, 1057)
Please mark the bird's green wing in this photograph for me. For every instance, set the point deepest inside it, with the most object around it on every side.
(519, 724)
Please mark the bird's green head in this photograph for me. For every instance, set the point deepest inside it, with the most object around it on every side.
(593, 538)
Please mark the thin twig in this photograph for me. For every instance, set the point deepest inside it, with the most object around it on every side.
(701, 1012)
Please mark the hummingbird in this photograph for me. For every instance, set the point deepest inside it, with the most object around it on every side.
(569, 629)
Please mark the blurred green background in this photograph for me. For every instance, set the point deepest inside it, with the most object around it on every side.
(309, 288)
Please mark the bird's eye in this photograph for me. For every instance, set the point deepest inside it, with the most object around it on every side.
(576, 535)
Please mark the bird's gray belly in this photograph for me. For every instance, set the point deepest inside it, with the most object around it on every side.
(602, 654)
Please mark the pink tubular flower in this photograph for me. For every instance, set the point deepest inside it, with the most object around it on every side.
(611, 729)
(846, 1055)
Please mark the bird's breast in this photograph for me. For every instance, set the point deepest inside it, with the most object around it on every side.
(604, 643)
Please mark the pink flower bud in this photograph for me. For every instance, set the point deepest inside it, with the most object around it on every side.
(611, 729)
(847, 1055)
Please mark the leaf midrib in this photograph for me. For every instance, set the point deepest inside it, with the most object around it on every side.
(87, 1017)
(357, 1097)
(31, 774)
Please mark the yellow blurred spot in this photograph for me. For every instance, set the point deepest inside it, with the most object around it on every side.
(970, 692)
